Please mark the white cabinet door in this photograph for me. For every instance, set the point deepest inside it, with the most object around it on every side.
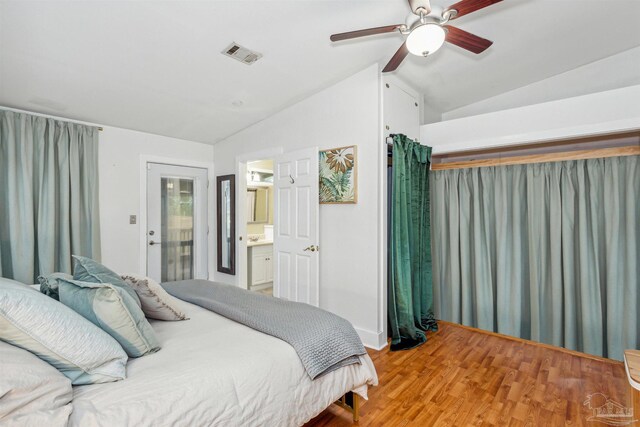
(296, 228)
(258, 270)
(401, 110)
(260, 264)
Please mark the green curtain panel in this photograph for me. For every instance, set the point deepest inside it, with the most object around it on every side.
(410, 292)
(48, 195)
(547, 252)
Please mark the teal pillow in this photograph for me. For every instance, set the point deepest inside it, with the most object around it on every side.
(112, 309)
(88, 270)
(49, 284)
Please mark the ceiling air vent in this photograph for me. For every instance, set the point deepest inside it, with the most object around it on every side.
(242, 54)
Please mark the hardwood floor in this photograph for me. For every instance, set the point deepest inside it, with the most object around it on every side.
(463, 376)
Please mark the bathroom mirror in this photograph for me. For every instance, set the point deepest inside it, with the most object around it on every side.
(258, 205)
(226, 218)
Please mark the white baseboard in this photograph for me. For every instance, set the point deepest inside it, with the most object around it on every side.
(373, 340)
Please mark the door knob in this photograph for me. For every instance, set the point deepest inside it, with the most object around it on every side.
(312, 248)
(151, 243)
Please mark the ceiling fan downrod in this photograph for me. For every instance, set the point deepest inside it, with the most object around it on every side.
(420, 7)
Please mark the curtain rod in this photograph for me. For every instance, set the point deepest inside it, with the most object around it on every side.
(610, 140)
(542, 158)
(49, 116)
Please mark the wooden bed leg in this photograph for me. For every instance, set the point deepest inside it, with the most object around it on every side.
(356, 407)
(351, 402)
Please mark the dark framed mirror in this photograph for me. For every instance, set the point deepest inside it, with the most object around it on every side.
(226, 222)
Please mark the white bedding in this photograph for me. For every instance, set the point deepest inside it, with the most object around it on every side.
(213, 371)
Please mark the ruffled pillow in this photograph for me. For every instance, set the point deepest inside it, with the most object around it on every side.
(156, 302)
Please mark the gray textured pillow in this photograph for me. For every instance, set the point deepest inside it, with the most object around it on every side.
(114, 311)
(58, 335)
(32, 392)
(88, 270)
(156, 302)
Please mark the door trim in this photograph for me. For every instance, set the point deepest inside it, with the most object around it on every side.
(142, 208)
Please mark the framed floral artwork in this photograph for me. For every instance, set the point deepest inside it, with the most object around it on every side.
(339, 175)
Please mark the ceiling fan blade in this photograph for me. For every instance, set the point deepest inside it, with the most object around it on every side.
(466, 40)
(363, 33)
(466, 7)
(397, 58)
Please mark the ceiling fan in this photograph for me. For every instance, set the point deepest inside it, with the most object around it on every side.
(426, 30)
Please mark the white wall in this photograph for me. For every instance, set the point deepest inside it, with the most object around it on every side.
(601, 113)
(352, 277)
(120, 192)
(430, 114)
(614, 72)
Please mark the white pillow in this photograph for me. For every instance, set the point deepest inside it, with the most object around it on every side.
(32, 392)
(156, 302)
(58, 335)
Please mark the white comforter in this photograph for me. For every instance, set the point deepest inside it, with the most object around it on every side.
(213, 371)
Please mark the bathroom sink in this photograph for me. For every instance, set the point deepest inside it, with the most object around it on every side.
(260, 242)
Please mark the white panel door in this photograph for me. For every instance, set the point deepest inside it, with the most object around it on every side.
(176, 222)
(296, 227)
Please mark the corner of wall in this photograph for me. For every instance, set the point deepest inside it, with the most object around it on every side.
(372, 340)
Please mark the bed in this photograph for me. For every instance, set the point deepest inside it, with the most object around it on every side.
(214, 371)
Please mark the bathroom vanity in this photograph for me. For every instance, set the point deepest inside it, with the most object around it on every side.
(260, 257)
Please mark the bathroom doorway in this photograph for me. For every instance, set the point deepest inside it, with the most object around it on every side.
(288, 257)
(259, 208)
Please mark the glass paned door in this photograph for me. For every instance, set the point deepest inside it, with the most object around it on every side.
(176, 249)
(177, 222)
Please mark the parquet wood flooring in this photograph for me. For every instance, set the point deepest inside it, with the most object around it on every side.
(467, 377)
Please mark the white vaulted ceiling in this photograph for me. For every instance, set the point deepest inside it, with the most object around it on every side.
(156, 66)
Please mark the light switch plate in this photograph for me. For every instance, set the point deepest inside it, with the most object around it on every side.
(132, 219)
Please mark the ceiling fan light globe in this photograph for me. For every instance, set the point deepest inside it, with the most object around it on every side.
(426, 39)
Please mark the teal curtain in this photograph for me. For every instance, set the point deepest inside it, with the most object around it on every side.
(410, 293)
(48, 195)
(547, 252)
